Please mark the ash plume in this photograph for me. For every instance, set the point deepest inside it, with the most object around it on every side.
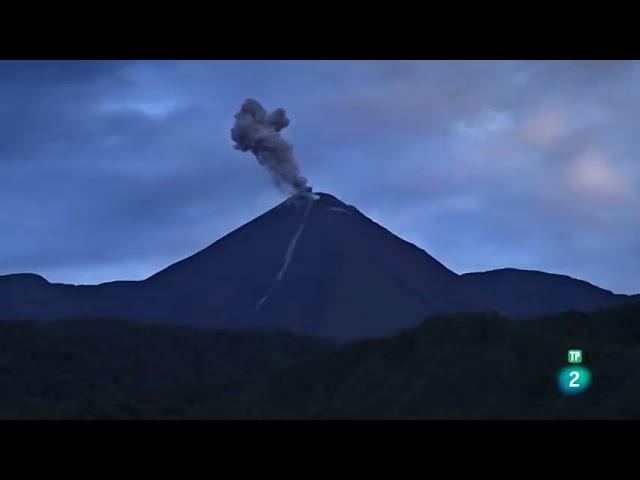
(259, 132)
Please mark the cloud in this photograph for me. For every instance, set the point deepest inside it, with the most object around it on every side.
(544, 129)
(594, 176)
(125, 167)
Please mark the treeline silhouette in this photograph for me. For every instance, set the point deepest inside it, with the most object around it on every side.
(471, 366)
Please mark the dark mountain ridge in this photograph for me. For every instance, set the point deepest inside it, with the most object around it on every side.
(528, 293)
(313, 265)
(463, 366)
(47, 367)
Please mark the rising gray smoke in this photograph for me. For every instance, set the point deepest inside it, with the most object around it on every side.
(259, 132)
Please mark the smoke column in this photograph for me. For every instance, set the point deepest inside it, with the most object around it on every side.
(259, 132)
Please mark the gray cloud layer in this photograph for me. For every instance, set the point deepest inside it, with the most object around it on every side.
(115, 169)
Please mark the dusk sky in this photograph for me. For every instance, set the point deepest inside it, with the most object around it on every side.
(114, 170)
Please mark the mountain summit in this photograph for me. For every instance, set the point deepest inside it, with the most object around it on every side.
(312, 264)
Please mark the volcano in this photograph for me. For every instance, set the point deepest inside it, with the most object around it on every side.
(312, 265)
